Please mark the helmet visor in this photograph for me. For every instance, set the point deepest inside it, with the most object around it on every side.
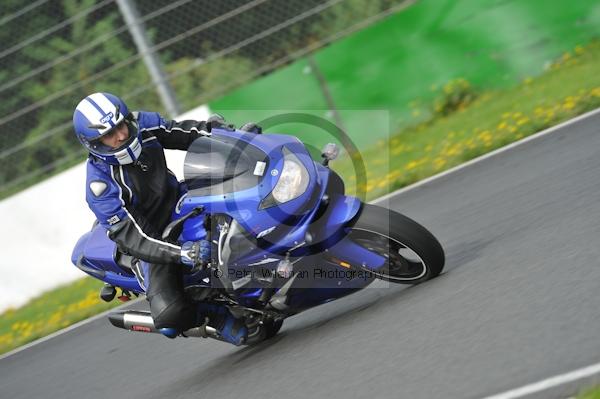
(114, 140)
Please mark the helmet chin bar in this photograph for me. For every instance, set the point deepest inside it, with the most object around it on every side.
(129, 154)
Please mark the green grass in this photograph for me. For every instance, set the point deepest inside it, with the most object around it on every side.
(491, 120)
(592, 393)
(394, 64)
(50, 312)
(570, 87)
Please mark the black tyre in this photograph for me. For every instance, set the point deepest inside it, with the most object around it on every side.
(413, 254)
(268, 330)
(272, 328)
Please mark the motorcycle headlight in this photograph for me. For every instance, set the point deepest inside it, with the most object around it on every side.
(293, 181)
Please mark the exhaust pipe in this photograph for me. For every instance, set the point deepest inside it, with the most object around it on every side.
(135, 320)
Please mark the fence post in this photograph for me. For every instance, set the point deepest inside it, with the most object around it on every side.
(325, 91)
(138, 32)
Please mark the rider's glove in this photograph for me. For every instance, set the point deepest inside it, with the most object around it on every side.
(196, 253)
(251, 127)
(217, 121)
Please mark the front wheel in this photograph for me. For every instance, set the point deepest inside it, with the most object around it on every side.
(412, 253)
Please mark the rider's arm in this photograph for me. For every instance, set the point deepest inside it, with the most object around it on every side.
(133, 240)
(107, 198)
(172, 134)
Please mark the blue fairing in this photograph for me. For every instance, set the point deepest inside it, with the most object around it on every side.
(95, 254)
(244, 205)
(341, 210)
(79, 247)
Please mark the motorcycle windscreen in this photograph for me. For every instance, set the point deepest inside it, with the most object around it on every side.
(221, 165)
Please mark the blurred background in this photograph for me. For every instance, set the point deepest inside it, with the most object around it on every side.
(446, 80)
(158, 55)
(172, 56)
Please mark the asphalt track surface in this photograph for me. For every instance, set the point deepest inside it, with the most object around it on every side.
(518, 303)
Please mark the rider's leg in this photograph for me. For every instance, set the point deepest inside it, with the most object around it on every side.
(174, 314)
(168, 306)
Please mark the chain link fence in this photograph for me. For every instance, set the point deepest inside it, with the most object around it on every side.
(55, 52)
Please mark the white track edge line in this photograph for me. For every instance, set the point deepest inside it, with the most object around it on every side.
(548, 383)
(380, 199)
(489, 155)
(69, 328)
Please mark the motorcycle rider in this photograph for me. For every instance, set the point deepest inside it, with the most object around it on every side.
(133, 193)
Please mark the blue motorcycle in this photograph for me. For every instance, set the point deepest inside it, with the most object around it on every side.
(286, 237)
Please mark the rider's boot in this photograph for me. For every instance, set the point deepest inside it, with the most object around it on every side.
(229, 328)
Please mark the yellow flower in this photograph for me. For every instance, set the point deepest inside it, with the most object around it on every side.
(393, 174)
(6, 339)
(485, 136)
(439, 163)
(454, 150)
(411, 165)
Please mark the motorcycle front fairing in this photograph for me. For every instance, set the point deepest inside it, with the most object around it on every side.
(267, 233)
(223, 164)
(252, 164)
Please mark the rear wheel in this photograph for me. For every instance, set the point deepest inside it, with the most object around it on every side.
(261, 332)
(272, 328)
(412, 253)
